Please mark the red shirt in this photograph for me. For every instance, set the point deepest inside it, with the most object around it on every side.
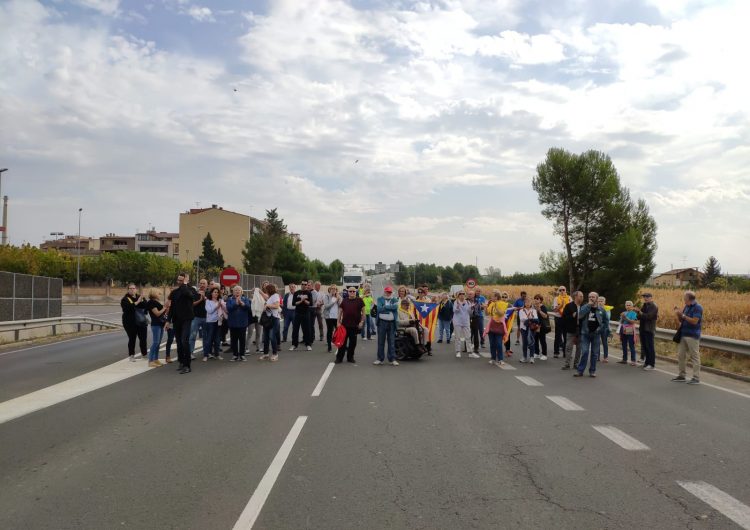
(351, 312)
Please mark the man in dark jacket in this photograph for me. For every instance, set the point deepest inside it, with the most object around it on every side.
(647, 315)
(287, 310)
(302, 301)
(181, 311)
(572, 330)
(445, 316)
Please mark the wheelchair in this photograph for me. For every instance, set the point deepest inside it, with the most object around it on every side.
(406, 348)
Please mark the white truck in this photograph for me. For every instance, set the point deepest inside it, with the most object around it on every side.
(353, 277)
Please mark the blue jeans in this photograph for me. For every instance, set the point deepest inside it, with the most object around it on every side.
(605, 344)
(211, 339)
(156, 334)
(386, 330)
(529, 341)
(271, 336)
(369, 325)
(480, 320)
(627, 341)
(197, 324)
(288, 319)
(589, 348)
(496, 346)
(444, 325)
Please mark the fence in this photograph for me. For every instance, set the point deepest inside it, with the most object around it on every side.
(250, 281)
(27, 297)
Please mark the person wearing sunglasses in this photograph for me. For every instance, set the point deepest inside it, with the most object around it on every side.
(352, 317)
(302, 301)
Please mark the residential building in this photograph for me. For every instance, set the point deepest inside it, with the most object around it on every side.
(380, 267)
(678, 278)
(159, 243)
(115, 243)
(72, 245)
(229, 230)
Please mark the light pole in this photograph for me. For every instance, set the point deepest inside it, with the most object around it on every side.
(78, 266)
(4, 238)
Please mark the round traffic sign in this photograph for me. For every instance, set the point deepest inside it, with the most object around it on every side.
(471, 283)
(229, 277)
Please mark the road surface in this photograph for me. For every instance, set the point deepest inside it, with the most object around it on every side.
(440, 443)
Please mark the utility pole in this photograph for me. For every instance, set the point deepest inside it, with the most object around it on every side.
(78, 266)
(4, 227)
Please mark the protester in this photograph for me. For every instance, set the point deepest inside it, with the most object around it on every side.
(540, 344)
(445, 315)
(369, 324)
(690, 319)
(528, 324)
(352, 317)
(591, 318)
(518, 305)
(423, 295)
(331, 303)
(571, 326)
(288, 310)
(628, 320)
(558, 303)
(403, 292)
(408, 320)
(181, 311)
(238, 308)
(271, 331)
(317, 314)
(198, 325)
(475, 321)
(462, 324)
(496, 328)
(387, 316)
(216, 311)
(257, 306)
(647, 315)
(482, 302)
(224, 324)
(157, 312)
(505, 303)
(134, 320)
(302, 300)
(604, 331)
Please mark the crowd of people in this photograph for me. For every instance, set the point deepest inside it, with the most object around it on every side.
(582, 330)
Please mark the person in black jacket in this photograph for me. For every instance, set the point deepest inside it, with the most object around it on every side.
(180, 304)
(572, 330)
(134, 325)
(648, 314)
(445, 317)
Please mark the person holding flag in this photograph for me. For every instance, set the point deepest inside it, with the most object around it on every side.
(424, 297)
(496, 328)
(427, 312)
(605, 330)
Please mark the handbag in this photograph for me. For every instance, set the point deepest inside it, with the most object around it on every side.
(140, 317)
(339, 337)
(677, 337)
(266, 320)
(496, 327)
(374, 311)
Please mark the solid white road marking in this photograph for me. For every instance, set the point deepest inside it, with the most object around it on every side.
(720, 501)
(528, 380)
(717, 387)
(565, 403)
(323, 379)
(57, 342)
(256, 502)
(620, 438)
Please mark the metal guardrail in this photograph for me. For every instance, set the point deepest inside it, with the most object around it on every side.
(81, 323)
(740, 347)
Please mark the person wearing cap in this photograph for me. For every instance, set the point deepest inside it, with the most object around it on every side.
(461, 324)
(387, 320)
(647, 316)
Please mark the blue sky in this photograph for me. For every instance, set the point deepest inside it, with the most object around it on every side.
(129, 109)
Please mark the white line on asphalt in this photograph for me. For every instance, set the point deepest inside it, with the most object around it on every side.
(507, 366)
(620, 438)
(256, 502)
(323, 379)
(565, 403)
(54, 343)
(528, 380)
(717, 387)
(720, 501)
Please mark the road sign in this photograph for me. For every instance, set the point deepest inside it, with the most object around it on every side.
(471, 283)
(229, 277)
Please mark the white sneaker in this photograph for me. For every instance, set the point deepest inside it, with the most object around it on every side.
(648, 367)
(500, 363)
(474, 356)
(365, 338)
(543, 357)
(132, 358)
(458, 355)
(205, 359)
(536, 356)
(377, 363)
(218, 357)
(292, 348)
(309, 348)
(492, 362)
(394, 363)
(531, 360)
(522, 361)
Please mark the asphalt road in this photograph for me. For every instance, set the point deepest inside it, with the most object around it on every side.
(439, 443)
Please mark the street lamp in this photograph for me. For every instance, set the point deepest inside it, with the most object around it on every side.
(78, 266)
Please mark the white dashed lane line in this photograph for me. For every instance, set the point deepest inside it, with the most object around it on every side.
(323, 379)
(620, 438)
(720, 501)
(565, 403)
(530, 381)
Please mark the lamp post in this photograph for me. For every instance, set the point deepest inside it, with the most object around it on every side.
(4, 238)
(78, 265)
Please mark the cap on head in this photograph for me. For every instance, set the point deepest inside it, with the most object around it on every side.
(388, 289)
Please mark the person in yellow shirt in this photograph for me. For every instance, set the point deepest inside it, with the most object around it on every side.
(496, 327)
(558, 303)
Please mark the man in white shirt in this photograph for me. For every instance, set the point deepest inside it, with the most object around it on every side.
(288, 310)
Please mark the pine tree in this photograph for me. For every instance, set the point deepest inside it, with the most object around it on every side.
(711, 271)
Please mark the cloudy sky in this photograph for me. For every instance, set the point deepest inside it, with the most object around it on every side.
(137, 110)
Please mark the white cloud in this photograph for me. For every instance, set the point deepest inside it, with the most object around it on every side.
(107, 7)
(202, 14)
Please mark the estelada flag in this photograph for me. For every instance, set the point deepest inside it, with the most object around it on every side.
(427, 312)
(510, 317)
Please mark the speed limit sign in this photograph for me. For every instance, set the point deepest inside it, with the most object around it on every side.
(471, 283)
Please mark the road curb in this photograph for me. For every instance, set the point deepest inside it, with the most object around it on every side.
(710, 370)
